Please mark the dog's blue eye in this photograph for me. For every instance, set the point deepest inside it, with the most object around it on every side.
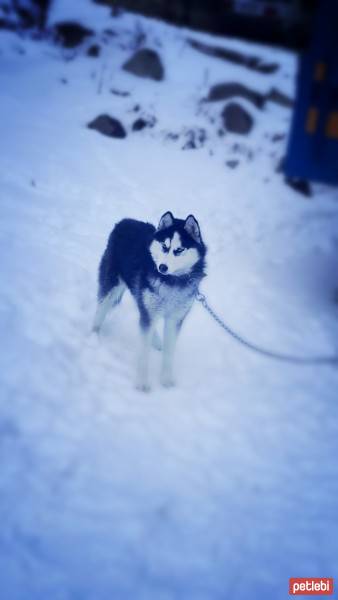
(179, 251)
(164, 248)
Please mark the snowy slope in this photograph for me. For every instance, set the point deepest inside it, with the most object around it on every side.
(227, 485)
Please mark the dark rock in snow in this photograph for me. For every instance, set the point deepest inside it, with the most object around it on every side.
(172, 136)
(18, 15)
(195, 138)
(239, 58)
(108, 126)
(33, 13)
(8, 24)
(145, 63)
(27, 17)
(94, 51)
(141, 123)
(119, 93)
(71, 34)
(236, 119)
(224, 91)
(278, 137)
(280, 98)
(232, 163)
(109, 32)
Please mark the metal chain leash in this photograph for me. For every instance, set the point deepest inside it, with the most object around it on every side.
(305, 360)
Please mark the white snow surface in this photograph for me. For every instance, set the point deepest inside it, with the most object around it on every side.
(225, 486)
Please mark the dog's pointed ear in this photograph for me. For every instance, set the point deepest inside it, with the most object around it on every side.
(192, 227)
(167, 220)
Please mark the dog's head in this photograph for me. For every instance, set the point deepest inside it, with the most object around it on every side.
(177, 246)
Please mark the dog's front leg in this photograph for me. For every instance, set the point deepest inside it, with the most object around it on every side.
(143, 380)
(171, 328)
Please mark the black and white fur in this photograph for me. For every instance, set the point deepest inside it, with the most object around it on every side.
(162, 268)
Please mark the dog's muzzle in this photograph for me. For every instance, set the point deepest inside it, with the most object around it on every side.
(163, 269)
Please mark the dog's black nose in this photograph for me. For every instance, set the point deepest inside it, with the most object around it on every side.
(163, 268)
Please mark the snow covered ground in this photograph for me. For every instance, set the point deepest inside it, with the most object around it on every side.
(227, 485)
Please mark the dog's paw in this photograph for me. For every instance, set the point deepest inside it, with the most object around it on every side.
(167, 380)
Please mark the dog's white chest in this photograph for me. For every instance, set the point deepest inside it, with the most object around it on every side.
(167, 301)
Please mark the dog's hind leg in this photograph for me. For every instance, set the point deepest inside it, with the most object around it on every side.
(106, 303)
(102, 310)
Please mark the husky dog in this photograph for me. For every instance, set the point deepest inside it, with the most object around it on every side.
(162, 268)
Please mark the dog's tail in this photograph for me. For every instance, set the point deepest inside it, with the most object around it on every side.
(108, 278)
